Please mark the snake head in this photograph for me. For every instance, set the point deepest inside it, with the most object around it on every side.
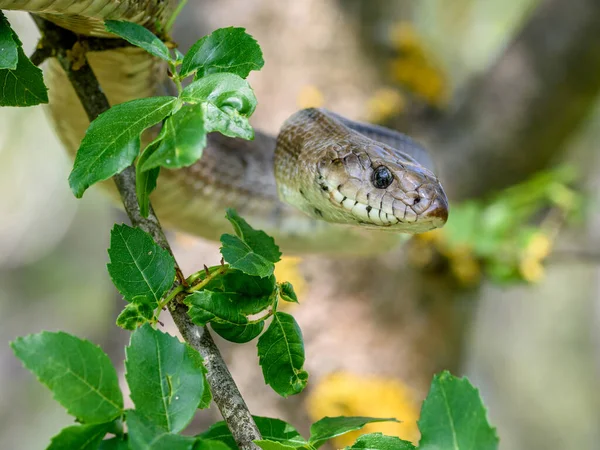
(376, 186)
(329, 168)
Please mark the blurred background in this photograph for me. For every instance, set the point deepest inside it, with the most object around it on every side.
(504, 92)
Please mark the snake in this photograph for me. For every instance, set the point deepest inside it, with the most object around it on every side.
(324, 184)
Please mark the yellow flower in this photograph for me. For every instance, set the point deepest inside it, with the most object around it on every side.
(539, 246)
(415, 68)
(464, 265)
(347, 394)
(385, 104)
(531, 269)
(288, 269)
(310, 97)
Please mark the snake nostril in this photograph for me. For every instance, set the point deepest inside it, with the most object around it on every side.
(416, 200)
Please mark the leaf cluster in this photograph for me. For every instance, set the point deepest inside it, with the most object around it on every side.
(21, 82)
(166, 380)
(218, 99)
(452, 418)
(498, 236)
(236, 298)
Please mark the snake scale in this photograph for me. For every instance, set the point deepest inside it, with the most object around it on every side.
(325, 184)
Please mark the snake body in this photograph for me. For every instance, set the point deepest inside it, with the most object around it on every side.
(325, 184)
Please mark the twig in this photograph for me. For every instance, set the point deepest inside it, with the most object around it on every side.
(225, 392)
(41, 53)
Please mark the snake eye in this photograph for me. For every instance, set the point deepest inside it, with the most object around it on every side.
(382, 177)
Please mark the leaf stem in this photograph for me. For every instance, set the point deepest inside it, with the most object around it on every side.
(164, 302)
(174, 16)
(220, 271)
(175, 76)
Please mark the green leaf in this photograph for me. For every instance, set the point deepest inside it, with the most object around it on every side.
(272, 445)
(79, 437)
(144, 435)
(139, 268)
(139, 36)
(453, 417)
(115, 443)
(183, 140)
(145, 181)
(378, 441)
(166, 378)
(330, 427)
(281, 355)
(206, 306)
(23, 86)
(238, 334)
(251, 251)
(79, 374)
(224, 50)
(9, 49)
(271, 429)
(249, 294)
(227, 101)
(112, 141)
(206, 395)
(134, 315)
(287, 293)
(211, 445)
(227, 121)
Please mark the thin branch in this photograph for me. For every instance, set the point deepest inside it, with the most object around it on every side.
(41, 53)
(225, 392)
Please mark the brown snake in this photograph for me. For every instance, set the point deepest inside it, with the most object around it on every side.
(325, 184)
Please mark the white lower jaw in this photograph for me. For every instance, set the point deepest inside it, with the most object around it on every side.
(361, 211)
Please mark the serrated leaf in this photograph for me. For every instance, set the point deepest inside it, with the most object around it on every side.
(145, 181)
(139, 268)
(166, 378)
(287, 293)
(238, 334)
(182, 140)
(115, 443)
(79, 437)
(453, 417)
(281, 355)
(9, 48)
(145, 435)
(78, 373)
(227, 121)
(112, 141)
(270, 429)
(226, 100)
(224, 50)
(249, 294)
(24, 85)
(330, 427)
(251, 251)
(134, 315)
(378, 441)
(139, 36)
(206, 306)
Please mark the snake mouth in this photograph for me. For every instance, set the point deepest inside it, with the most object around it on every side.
(364, 214)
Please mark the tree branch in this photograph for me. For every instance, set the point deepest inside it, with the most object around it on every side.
(517, 116)
(225, 392)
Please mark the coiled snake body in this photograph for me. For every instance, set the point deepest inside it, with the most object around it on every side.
(326, 184)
